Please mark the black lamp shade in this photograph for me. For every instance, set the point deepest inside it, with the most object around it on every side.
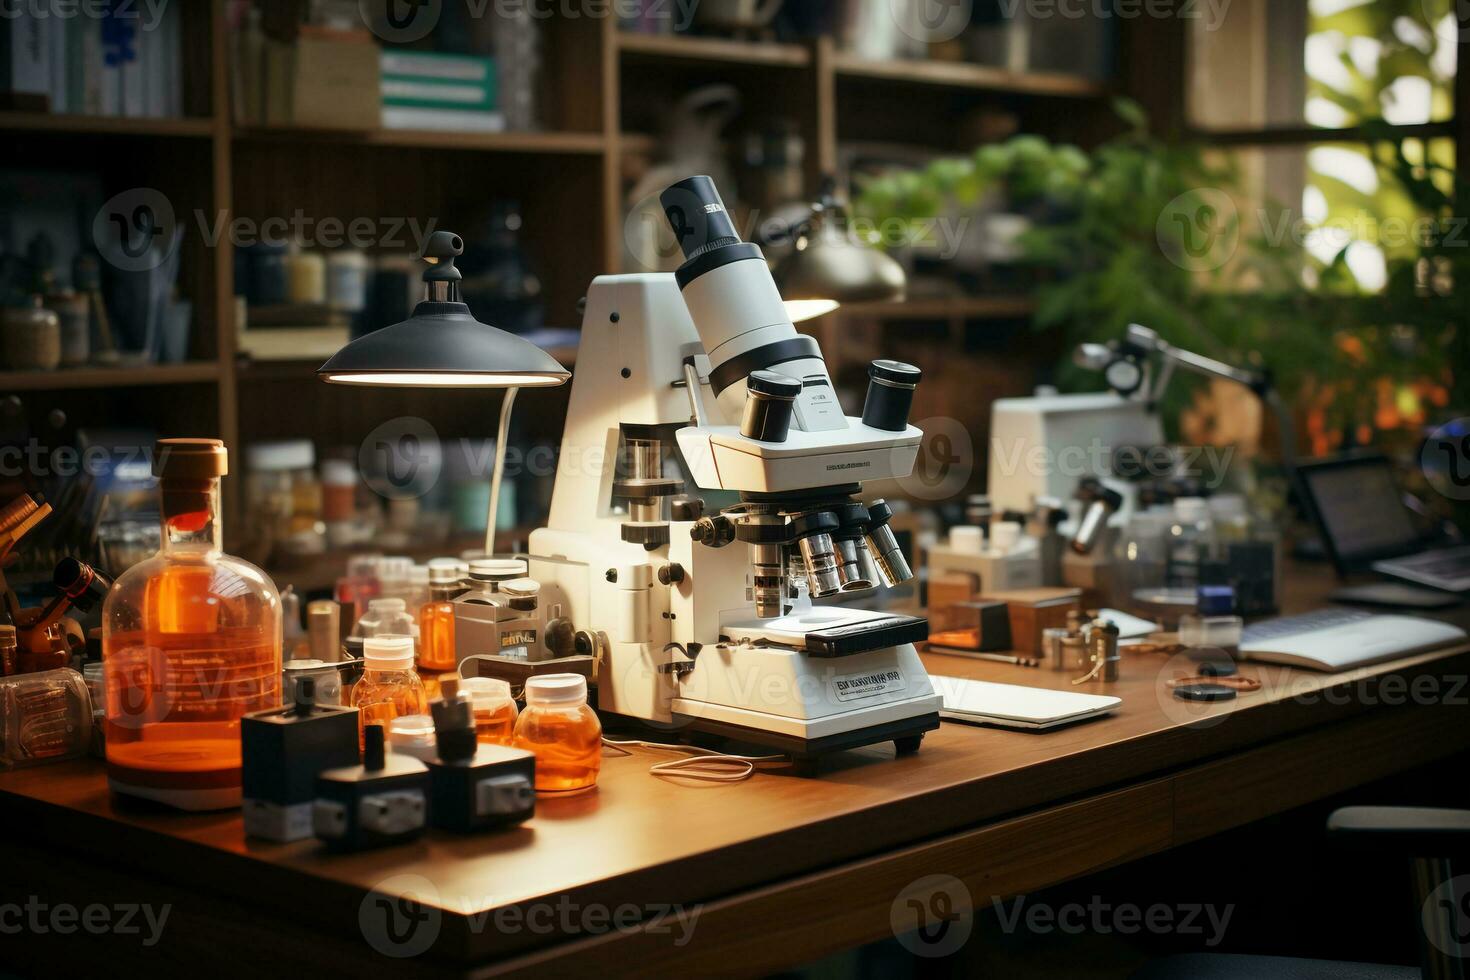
(443, 346)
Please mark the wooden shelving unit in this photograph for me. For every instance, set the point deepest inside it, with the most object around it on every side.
(599, 94)
(954, 74)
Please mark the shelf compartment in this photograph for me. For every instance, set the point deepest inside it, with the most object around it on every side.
(707, 50)
(48, 122)
(507, 142)
(963, 75)
(68, 379)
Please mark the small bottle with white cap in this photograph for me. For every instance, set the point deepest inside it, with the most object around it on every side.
(389, 687)
(562, 731)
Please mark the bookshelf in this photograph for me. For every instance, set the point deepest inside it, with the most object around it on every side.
(602, 95)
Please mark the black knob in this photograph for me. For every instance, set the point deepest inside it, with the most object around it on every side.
(671, 574)
(686, 508)
(770, 401)
(891, 387)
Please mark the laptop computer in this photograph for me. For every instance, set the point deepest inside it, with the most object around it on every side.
(1365, 525)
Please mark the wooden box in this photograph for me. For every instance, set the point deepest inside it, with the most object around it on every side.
(1035, 610)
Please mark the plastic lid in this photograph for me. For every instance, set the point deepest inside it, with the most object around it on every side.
(339, 473)
(388, 652)
(288, 454)
(1191, 508)
(1004, 535)
(395, 567)
(411, 728)
(444, 574)
(556, 689)
(387, 605)
(485, 692)
(190, 459)
(307, 664)
(419, 574)
(497, 568)
(966, 537)
(521, 587)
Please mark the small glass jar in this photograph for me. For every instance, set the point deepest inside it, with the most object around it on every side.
(436, 622)
(389, 688)
(44, 717)
(386, 617)
(32, 337)
(495, 709)
(413, 735)
(562, 731)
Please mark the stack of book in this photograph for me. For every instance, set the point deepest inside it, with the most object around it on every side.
(126, 62)
(428, 90)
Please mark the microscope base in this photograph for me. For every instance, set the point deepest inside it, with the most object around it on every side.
(905, 734)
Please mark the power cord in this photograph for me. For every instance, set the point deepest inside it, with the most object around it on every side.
(703, 764)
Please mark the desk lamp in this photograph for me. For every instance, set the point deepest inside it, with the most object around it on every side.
(828, 268)
(443, 346)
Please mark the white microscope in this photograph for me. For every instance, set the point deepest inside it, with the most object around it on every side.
(701, 618)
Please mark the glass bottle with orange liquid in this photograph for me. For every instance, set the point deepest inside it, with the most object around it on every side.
(389, 688)
(495, 709)
(191, 640)
(436, 627)
(562, 731)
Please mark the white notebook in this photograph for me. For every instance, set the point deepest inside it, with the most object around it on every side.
(1015, 706)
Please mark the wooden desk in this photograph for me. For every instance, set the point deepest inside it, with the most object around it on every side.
(782, 869)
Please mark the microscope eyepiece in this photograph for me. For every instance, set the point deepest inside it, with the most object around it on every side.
(698, 216)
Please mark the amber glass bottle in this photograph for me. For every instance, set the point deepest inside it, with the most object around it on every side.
(563, 732)
(191, 640)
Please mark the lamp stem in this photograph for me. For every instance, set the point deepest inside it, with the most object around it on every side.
(499, 471)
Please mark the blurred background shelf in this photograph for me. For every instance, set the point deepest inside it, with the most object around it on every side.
(958, 74)
(711, 50)
(67, 379)
(46, 122)
(506, 142)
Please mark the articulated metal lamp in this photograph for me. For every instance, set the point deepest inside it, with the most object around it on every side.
(443, 346)
(828, 267)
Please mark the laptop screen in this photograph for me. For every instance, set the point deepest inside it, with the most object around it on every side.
(1359, 508)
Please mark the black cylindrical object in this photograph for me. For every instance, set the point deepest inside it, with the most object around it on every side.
(770, 400)
(891, 387)
(697, 216)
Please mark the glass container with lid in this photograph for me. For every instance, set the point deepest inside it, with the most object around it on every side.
(191, 640)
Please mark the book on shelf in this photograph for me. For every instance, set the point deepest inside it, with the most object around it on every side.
(444, 92)
(125, 63)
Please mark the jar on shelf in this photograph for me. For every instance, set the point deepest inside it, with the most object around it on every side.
(563, 732)
(191, 640)
(31, 337)
(282, 494)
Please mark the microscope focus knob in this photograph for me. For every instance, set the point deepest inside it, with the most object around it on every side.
(686, 508)
(671, 574)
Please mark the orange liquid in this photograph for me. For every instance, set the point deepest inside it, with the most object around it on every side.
(496, 726)
(436, 643)
(176, 688)
(567, 744)
(379, 701)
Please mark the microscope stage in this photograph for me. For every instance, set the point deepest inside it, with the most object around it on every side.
(831, 631)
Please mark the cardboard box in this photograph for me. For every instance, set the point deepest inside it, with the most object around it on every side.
(335, 84)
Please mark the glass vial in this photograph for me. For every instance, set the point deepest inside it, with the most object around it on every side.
(389, 688)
